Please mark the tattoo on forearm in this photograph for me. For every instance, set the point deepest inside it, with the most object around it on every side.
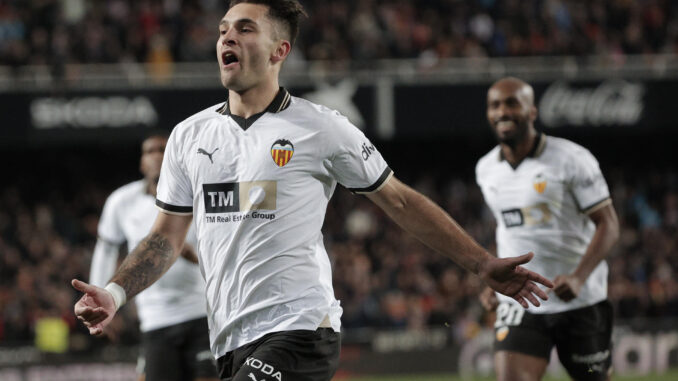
(149, 260)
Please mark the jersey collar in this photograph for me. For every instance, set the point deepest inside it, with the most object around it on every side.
(279, 103)
(537, 148)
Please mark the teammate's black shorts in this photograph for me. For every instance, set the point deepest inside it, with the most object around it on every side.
(179, 352)
(582, 337)
(298, 355)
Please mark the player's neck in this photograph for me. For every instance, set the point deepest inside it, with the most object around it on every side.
(152, 187)
(515, 153)
(252, 101)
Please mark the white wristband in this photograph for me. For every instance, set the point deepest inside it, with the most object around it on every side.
(118, 293)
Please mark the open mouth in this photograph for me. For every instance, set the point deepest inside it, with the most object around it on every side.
(228, 58)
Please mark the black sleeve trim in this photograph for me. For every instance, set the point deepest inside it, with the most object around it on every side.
(384, 176)
(174, 208)
(597, 205)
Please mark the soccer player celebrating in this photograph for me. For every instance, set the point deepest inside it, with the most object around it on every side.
(257, 173)
(172, 312)
(548, 195)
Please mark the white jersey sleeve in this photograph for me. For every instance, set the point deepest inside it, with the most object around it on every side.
(111, 236)
(104, 263)
(109, 228)
(355, 162)
(175, 194)
(587, 183)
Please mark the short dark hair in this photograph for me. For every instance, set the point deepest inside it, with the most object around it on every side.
(287, 11)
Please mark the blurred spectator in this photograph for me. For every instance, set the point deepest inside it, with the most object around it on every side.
(58, 32)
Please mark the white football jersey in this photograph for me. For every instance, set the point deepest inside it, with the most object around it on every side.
(258, 189)
(179, 295)
(542, 206)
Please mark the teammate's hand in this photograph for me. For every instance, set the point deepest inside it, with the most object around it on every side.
(95, 309)
(489, 299)
(567, 287)
(507, 277)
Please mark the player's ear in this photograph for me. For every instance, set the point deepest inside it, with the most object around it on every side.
(281, 51)
(533, 113)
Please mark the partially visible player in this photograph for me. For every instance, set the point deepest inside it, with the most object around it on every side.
(172, 312)
(257, 172)
(548, 195)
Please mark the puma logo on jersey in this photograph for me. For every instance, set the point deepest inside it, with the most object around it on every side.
(208, 154)
(367, 151)
(263, 367)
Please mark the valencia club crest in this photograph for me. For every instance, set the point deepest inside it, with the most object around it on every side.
(281, 152)
(539, 183)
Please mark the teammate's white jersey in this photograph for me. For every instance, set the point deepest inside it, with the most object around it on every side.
(542, 206)
(179, 295)
(259, 194)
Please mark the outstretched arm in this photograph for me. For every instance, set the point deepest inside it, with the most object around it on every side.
(429, 223)
(144, 265)
(567, 286)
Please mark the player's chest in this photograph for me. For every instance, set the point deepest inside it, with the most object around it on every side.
(529, 185)
(231, 154)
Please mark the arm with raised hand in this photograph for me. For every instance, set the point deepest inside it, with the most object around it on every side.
(144, 265)
(434, 227)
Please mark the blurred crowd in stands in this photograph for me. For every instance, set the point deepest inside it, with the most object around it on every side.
(58, 32)
(384, 277)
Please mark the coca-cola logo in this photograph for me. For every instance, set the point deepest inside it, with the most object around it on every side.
(612, 103)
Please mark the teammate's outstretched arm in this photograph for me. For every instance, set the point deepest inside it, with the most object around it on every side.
(428, 222)
(147, 263)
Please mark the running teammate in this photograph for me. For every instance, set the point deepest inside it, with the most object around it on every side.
(257, 173)
(548, 195)
(172, 312)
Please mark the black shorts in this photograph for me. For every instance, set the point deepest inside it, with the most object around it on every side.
(179, 352)
(582, 337)
(299, 355)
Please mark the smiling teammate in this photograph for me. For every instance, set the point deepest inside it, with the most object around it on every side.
(259, 200)
(548, 195)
